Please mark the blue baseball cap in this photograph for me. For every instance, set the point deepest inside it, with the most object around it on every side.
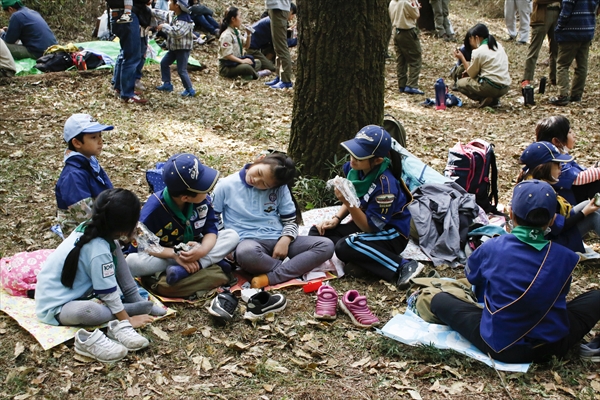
(541, 153)
(185, 172)
(83, 123)
(532, 194)
(370, 141)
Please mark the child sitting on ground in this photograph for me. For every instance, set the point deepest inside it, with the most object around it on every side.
(82, 178)
(183, 213)
(180, 39)
(543, 161)
(523, 280)
(576, 184)
(380, 227)
(257, 203)
(89, 264)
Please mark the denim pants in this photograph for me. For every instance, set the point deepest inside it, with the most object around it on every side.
(206, 22)
(181, 56)
(129, 39)
(143, 48)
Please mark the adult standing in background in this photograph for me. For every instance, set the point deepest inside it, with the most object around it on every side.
(443, 28)
(29, 27)
(574, 33)
(404, 15)
(544, 15)
(279, 11)
(523, 9)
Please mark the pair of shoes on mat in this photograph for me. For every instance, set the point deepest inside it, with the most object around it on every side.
(259, 305)
(118, 341)
(352, 303)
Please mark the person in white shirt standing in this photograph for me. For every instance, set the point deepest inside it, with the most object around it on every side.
(522, 8)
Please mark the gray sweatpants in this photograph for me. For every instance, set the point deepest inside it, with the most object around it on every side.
(305, 253)
(143, 264)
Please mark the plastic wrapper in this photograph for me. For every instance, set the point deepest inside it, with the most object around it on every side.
(147, 241)
(346, 188)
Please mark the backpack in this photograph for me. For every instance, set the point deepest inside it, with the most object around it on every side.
(154, 178)
(470, 165)
(197, 285)
(395, 129)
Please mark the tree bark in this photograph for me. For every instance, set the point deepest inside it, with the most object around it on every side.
(340, 78)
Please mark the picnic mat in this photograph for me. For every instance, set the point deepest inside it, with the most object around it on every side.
(410, 329)
(22, 310)
(26, 66)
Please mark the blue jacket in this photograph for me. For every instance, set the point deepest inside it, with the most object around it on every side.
(577, 21)
(29, 27)
(79, 181)
(569, 172)
(524, 291)
(261, 38)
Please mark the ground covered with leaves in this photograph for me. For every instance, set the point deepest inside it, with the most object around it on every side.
(290, 355)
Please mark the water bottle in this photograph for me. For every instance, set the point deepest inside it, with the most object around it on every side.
(542, 87)
(440, 94)
(528, 95)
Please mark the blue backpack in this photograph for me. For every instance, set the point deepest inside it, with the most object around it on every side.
(154, 178)
(473, 166)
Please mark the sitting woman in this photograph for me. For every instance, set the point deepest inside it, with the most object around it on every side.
(232, 61)
(524, 281)
(575, 183)
(486, 75)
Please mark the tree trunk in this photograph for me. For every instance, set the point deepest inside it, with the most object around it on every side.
(340, 78)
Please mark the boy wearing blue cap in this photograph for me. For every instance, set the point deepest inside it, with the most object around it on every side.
(182, 213)
(380, 227)
(523, 280)
(82, 178)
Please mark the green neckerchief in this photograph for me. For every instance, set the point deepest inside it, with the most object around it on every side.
(184, 219)
(531, 236)
(111, 243)
(237, 36)
(362, 185)
(484, 41)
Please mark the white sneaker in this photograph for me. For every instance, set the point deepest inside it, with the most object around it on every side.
(123, 332)
(97, 346)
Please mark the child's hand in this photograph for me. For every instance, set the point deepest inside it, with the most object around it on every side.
(194, 254)
(139, 321)
(329, 224)
(190, 266)
(590, 208)
(246, 61)
(281, 249)
(340, 196)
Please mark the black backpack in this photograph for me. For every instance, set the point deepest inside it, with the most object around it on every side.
(395, 129)
(473, 166)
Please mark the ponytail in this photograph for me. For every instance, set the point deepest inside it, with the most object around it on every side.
(230, 13)
(115, 213)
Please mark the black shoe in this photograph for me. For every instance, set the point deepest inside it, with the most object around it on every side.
(263, 303)
(559, 101)
(223, 306)
(575, 99)
(409, 271)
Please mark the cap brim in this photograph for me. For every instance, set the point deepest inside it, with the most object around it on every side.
(98, 128)
(563, 158)
(356, 150)
(208, 181)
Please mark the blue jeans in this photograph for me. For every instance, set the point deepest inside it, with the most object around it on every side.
(206, 22)
(181, 56)
(129, 58)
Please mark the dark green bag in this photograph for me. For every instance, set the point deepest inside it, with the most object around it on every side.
(196, 285)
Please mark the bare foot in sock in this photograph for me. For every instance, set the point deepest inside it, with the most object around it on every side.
(138, 308)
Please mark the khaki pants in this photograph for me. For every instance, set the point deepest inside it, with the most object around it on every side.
(408, 49)
(440, 17)
(538, 32)
(279, 19)
(265, 62)
(246, 71)
(478, 91)
(19, 52)
(567, 52)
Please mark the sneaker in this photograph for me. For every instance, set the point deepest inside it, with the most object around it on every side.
(139, 85)
(223, 306)
(123, 332)
(409, 270)
(327, 300)
(559, 101)
(97, 346)
(575, 99)
(189, 93)
(175, 273)
(591, 351)
(282, 85)
(165, 87)
(263, 303)
(509, 38)
(521, 43)
(485, 102)
(125, 18)
(356, 307)
(412, 90)
(135, 99)
(264, 72)
(273, 82)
